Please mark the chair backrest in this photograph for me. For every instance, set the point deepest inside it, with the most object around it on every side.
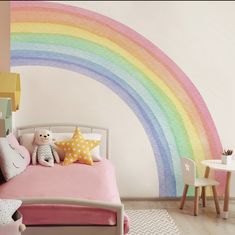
(188, 170)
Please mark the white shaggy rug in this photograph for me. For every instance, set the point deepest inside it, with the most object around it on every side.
(151, 222)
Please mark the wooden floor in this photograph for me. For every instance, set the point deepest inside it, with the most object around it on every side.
(206, 223)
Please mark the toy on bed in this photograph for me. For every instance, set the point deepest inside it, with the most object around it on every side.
(14, 158)
(77, 148)
(44, 153)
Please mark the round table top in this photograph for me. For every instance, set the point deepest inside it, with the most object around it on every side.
(218, 165)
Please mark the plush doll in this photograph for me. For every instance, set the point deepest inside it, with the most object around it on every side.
(44, 152)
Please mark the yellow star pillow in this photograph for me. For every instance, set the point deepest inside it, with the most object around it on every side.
(77, 148)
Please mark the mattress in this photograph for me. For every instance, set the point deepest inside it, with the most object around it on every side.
(77, 181)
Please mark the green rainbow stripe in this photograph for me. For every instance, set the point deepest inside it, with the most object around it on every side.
(168, 105)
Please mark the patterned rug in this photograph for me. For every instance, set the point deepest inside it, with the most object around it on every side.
(151, 222)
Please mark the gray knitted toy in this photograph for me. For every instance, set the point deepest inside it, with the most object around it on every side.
(44, 152)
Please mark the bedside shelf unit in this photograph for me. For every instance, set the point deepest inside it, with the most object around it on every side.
(5, 116)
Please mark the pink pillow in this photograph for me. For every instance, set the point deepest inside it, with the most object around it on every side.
(14, 158)
(11, 139)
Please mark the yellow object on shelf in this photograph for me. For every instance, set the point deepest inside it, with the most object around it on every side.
(10, 87)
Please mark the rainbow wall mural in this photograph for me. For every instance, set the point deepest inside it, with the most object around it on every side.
(167, 104)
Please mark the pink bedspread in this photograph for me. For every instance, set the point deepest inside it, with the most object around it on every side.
(79, 181)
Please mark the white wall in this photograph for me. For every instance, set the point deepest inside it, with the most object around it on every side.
(198, 36)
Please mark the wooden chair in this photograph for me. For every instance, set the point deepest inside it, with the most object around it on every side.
(189, 174)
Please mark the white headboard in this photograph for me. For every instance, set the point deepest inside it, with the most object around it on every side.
(70, 127)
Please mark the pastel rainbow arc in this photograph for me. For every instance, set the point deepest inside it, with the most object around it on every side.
(171, 110)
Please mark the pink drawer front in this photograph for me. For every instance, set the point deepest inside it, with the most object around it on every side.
(13, 228)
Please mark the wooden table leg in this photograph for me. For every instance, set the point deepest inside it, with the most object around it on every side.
(226, 195)
(203, 195)
(196, 201)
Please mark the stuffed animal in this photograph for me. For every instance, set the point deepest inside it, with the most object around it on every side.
(44, 152)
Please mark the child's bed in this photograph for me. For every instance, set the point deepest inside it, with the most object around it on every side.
(74, 199)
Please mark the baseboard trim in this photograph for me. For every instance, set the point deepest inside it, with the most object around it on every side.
(165, 198)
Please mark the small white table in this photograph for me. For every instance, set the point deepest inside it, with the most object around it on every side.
(217, 165)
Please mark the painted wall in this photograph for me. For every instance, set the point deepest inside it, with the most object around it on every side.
(4, 36)
(191, 34)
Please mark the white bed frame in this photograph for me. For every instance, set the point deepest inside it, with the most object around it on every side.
(117, 229)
